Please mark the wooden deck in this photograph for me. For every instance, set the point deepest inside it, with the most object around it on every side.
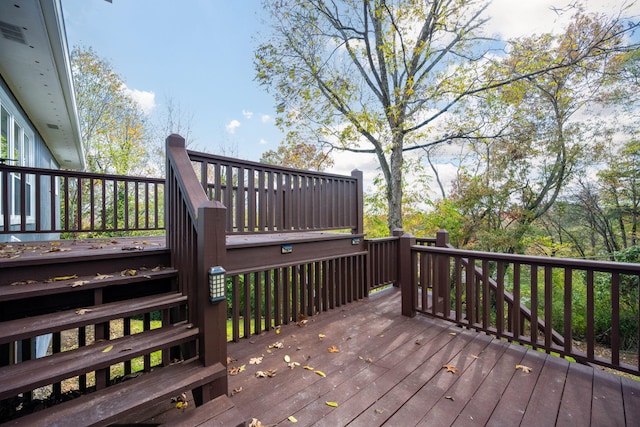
(391, 370)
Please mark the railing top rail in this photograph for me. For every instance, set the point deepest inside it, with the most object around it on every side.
(537, 260)
(198, 156)
(383, 239)
(194, 193)
(78, 174)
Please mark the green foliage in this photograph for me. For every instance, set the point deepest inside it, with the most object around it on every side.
(113, 126)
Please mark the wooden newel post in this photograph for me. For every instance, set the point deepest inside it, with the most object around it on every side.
(442, 274)
(407, 275)
(212, 317)
(359, 225)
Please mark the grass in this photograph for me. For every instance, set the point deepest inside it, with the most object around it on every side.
(70, 341)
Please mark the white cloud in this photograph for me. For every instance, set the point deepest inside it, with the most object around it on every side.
(145, 100)
(232, 126)
(265, 118)
(522, 18)
(247, 114)
(263, 141)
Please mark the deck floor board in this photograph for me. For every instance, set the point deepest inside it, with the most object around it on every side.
(389, 371)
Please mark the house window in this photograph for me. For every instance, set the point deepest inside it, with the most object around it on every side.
(16, 148)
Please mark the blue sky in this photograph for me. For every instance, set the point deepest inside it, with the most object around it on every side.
(198, 53)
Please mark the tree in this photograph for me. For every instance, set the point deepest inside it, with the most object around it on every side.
(517, 176)
(375, 76)
(112, 124)
(298, 155)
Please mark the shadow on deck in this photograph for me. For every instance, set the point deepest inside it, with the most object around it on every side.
(392, 370)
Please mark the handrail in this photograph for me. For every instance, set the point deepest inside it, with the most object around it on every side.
(262, 198)
(524, 310)
(455, 285)
(196, 237)
(38, 200)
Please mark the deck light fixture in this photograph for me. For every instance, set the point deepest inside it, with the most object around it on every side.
(217, 284)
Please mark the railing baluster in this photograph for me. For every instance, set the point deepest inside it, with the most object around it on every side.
(615, 318)
(548, 306)
(568, 311)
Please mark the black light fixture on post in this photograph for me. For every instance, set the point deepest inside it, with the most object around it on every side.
(217, 284)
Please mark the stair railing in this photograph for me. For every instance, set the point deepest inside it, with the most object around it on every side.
(196, 237)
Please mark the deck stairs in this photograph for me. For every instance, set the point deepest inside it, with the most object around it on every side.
(117, 338)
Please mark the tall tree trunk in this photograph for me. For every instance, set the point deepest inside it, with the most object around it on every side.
(394, 184)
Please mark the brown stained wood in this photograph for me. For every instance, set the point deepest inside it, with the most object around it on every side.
(607, 406)
(575, 405)
(405, 374)
(39, 372)
(511, 409)
(31, 327)
(107, 406)
(545, 400)
(217, 412)
(631, 398)
(447, 408)
(429, 391)
(479, 407)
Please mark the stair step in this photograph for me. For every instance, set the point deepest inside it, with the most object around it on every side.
(219, 412)
(37, 289)
(42, 260)
(30, 327)
(109, 405)
(31, 374)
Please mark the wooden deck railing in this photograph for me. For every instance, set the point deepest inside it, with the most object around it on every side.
(35, 200)
(262, 198)
(264, 299)
(480, 290)
(196, 237)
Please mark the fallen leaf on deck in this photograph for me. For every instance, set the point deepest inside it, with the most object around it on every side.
(83, 311)
(264, 374)
(102, 276)
(308, 368)
(293, 364)
(182, 405)
(278, 330)
(129, 272)
(96, 247)
(333, 349)
(156, 269)
(235, 370)
(322, 374)
(55, 243)
(366, 359)
(276, 345)
(475, 357)
(449, 398)
(79, 283)
(287, 359)
(321, 336)
(453, 333)
(332, 404)
(107, 349)
(451, 368)
(302, 322)
(292, 419)
(132, 248)
(256, 423)
(230, 360)
(236, 391)
(62, 278)
(255, 361)
(378, 411)
(23, 282)
(525, 369)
